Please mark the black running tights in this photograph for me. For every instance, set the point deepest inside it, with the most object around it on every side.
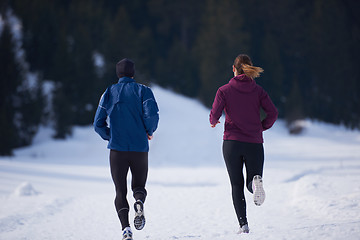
(236, 154)
(120, 163)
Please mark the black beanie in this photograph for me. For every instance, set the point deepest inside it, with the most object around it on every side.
(126, 68)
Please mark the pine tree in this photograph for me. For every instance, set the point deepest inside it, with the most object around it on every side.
(9, 80)
(20, 103)
(190, 46)
(294, 104)
(220, 40)
(274, 75)
(331, 62)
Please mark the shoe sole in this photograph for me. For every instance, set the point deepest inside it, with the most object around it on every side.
(139, 220)
(259, 193)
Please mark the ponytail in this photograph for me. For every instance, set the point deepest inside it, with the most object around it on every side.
(244, 65)
(251, 71)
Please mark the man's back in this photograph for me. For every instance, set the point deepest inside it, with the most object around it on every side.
(133, 114)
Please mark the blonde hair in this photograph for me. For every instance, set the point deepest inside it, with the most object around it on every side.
(243, 65)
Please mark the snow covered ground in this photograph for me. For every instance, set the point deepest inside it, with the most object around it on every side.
(63, 189)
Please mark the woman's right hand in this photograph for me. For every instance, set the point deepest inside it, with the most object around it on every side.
(214, 125)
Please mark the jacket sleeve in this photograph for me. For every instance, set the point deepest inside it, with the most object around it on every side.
(270, 110)
(150, 111)
(217, 107)
(100, 124)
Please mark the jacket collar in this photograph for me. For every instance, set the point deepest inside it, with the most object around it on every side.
(243, 77)
(126, 80)
(243, 83)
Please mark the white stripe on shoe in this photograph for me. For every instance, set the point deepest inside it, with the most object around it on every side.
(127, 234)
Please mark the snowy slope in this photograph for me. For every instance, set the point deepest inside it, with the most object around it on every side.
(63, 189)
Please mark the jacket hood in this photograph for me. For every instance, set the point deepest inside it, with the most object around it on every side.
(243, 83)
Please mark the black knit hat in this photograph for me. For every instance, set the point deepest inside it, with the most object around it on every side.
(126, 68)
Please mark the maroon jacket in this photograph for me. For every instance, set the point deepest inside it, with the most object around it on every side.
(241, 99)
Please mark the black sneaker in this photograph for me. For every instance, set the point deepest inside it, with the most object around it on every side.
(139, 220)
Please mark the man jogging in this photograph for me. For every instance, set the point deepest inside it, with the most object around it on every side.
(133, 117)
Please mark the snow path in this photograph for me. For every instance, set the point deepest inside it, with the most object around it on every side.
(63, 189)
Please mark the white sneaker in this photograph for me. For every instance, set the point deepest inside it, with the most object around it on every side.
(244, 229)
(127, 234)
(139, 220)
(258, 190)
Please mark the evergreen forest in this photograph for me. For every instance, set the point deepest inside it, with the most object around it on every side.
(58, 56)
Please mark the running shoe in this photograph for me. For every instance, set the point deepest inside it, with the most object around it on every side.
(139, 220)
(244, 229)
(127, 234)
(258, 190)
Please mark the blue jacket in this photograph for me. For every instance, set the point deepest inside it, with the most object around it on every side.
(133, 113)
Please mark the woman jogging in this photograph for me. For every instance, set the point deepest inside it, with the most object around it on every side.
(241, 99)
(133, 118)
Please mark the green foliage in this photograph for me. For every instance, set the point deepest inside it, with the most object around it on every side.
(309, 50)
(219, 41)
(20, 104)
(9, 79)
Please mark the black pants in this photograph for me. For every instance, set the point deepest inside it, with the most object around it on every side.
(236, 154)
(120, 162)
